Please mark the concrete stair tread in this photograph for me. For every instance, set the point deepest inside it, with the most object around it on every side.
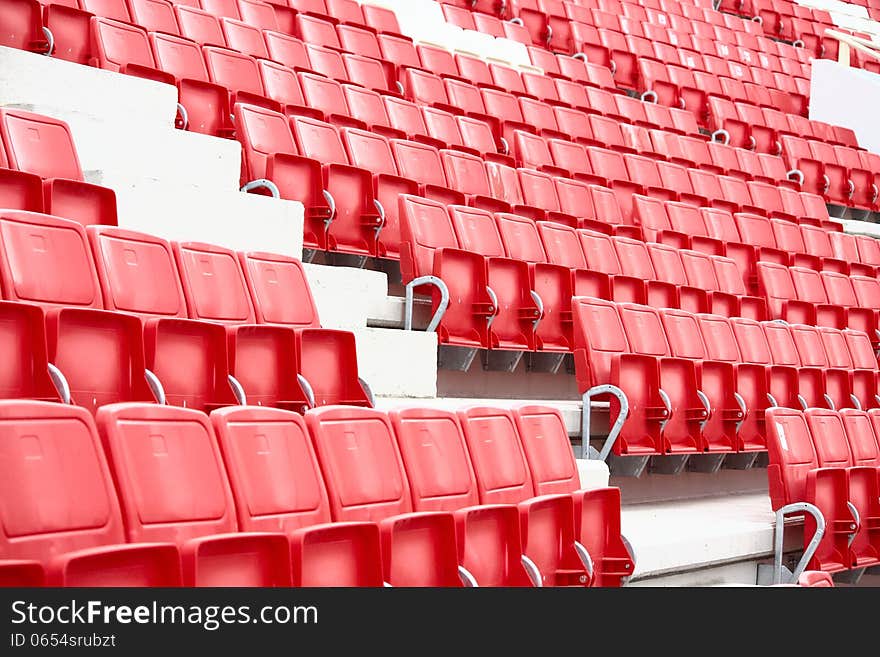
(675, 535)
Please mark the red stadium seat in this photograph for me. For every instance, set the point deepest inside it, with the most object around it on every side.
(366, 481)
(150, 444)
(56, 529)
(44, 147)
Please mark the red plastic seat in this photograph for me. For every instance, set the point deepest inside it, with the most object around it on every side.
(176, 450)
(552, 282)
(430, 248)
(597, 516)
(749, 353)
(44, 147)
(366, 481)
(603, 356)
(503, 477)
(356, 220)
(796, 475)
(206, 104)
(240, 74)
(287, 494)
(154, 15)
(200, 26)
(56, 529)
(646, 336)
(516, 312)
(489, 541)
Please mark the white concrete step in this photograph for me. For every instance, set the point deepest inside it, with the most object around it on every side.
(691, 539)
(858, 227)
(232, 219)
(27, 79)
(124, 152)
(398, 363)
(346, 296)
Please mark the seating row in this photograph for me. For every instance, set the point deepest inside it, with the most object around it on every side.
(701, 383)
(264, 497)
(830, 460)
(210, 326)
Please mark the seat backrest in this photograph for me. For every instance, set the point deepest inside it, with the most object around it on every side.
(476, 230)
(719, 338)
(39, 144)
(667, 264)
(791, 453)
(497, 455)
(598, 329)
(169, 472)
(369, 151)
(465, 172)
(788, 236)
(213, 283)
(867, 290)
(547, 448)
(419, 162)
(53, 449)
(424, 227)
(720, 223)
(318, 140)
(405, 116)
(774, 282)
(272, 467)
(287, 50)
(244, 37)
(599, 252)
(322, 89)
(863, 445)
(233, 70)
(829, 438)
(683, 333)
(539, 190)
(635, 260)
(436, 459)
(199, 25)
(809, 345)
(137, 271)
(47, 260)
(520, 238)
(755, 229)
(834, 342)
(699, 269)
(228, 8)
(816, 241)
(644, 329)
(783, 346)
(280, 83)
(752, 341)
(259, 14)
(839, 289)
(562, 245)
(860, 349)
(119, 43)
(279, 289)
(262, 133)
(685, 218)
(361, 463)
(180, 57)
(808, 285)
